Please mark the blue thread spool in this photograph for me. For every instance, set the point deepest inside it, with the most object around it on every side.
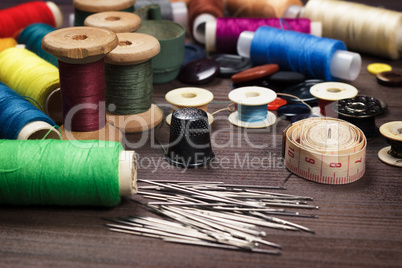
(312, 56)
(252, 109)
(19, 119)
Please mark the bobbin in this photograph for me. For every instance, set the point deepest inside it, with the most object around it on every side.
(133, 49)
(189, 97)
(360, 111)
(392, 131)
(252, 96)
(38, 130)
(328, 92)
(343, 65)
(58, 15)
(82, 45)
(116, 21)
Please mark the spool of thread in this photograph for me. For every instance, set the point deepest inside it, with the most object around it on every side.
(252, 107)
(261, 8)
(221, 35)
(328, 92)
(19, 119)
(361, 112)
(392, 155)
(32, 37)
(7, 43)
(363, 28)
(166, 65)
(128, 75)
(149, 12)
(325, 150)
(85, 8)
(32, 77)
(116, 21)
(312, 56)
(200, 12)
(176, 11)
(189, 97)
(14, 19)
(81, 51)
(95, 173)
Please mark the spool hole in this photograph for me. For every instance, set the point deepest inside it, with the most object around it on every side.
(79, 37)
(359, 106)
(399, 130)
(334, 90)
(189, 95)
(252, 94)
(125, 43)
(112, 18)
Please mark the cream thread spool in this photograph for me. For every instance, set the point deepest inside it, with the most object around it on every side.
(58, 15)
(116, 21)
(329, 92)
(252, 96)
(127, 173)
(83, 45)
(189, 97)
(392, 131)
(325, 150)
(133, 49)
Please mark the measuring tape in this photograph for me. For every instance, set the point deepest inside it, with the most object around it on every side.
(325, 150)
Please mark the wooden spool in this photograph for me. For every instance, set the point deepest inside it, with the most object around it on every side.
(96, 6)
(83, 45)
(133, 49)
(116, 21)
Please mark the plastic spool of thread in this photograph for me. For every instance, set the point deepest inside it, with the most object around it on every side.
(392, 155)
(252, 107)
(176, 11)
(34, 78)
(310, 55)
(189, 97)
(325, 150)
(261, 8)
(199, 13)
(116, 21)
(166, 65)
(221, 35)
(7, 43)
(14, 19)
(363, 28)
(128, 74)
(329, 92)
(361, 112)
(19, 119)
(54, 172)
(85, 8)
(32, 37)
(81, 51)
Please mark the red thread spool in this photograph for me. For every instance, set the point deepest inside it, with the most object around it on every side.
(81, 51)
(14, 19)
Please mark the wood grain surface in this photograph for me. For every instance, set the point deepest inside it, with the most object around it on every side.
(358, 225)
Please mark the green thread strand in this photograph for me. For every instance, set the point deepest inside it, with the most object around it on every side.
(128, 88)
(81, 15)
(54, 172)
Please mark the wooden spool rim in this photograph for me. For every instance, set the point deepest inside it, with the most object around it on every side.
(116, 21)
(102, 5)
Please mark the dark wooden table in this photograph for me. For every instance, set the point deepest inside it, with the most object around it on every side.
(359, 224)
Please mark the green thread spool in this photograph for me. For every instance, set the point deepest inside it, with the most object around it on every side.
(166, 65)
(128, 76)
(86, 173)
(85, 8)
(149, 12)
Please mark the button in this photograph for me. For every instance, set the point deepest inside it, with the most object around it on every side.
(283, 79)
(278, 102)
(302, 91)
(376, 68)
(231, 64)
(199, 71)
(390, 78)
(255, 73)
(302, 117)
(193, 52)
(290, 110)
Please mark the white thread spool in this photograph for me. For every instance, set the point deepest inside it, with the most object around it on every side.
(58, 15)
(189, 97)
(252, 96)
(392, 131)
(38, 130)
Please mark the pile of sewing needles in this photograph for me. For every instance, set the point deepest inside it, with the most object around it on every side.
(213, 214)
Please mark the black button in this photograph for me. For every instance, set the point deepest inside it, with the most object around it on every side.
(231, 64)
(199, 71)
(290, 110)
(193, 52)
(302, 91)
(283, 79)
(390, 79)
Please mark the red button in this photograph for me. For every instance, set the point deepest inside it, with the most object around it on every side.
(255, 73)
(278, 102)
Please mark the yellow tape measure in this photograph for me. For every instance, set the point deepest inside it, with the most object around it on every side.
(325, 150)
